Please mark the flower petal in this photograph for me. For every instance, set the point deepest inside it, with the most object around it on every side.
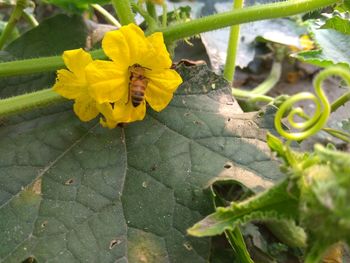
(107, 112)
(69, 85)
(157, 98)
(107, 83)
(108, 123)
(166, 79)
(128, 113)
(76, 60)
(85, 108)
(161, 58)
(126, 46)
(161, 87)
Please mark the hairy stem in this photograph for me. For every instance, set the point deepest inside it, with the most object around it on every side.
(109, 18)
(28, 101)
(151, 23)
(240, 16)
(35, 65)
(151, 9)
(30, 19)
(15, 16)
(123, 10)
(340, 101)
(232, 49)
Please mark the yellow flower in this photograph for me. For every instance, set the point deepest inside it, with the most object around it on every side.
(306, 43)
(110, 80)
(72, 84)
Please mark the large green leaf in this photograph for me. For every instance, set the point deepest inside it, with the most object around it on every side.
(74, 192)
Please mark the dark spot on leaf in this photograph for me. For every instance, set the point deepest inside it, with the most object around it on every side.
(197, 122)
(30, 260)
(69, 181)
(227, 166)
(229, 119)
(44, 224)
(114, 242)
(154, 167)
(261, 114)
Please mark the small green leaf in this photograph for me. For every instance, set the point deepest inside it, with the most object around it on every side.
(333, 49)
(339, 23)
(275, 203)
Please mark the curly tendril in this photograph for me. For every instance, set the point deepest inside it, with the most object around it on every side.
(313, 124)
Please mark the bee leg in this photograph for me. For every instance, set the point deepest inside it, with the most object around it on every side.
(128, 96)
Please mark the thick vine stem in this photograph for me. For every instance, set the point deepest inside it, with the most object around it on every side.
(242, 15)
(183, 30)
(323, 108)
(29, 101)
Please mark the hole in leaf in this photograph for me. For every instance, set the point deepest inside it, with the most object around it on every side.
(69, 181)
(114, 243)
(154, 167)
(30, 260)
(227, 166)
(44, 224)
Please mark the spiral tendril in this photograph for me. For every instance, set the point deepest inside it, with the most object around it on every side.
(315, 123)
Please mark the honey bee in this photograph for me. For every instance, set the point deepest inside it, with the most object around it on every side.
(137, 84)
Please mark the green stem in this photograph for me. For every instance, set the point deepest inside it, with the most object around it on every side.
(30, 19)
(35, 65)
(165, 15)
(109, 18)
(236, 241)
(232, 49)
(271, 80)
(29, 101)
(152, 24)
(338, 134)
(174, 32)
(15, 16)
(123, 10)
(151, 9)
(257, 94)
(340, 101)
(240, 16)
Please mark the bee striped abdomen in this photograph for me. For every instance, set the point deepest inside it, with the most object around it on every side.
(137, 90)
(138, 84)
